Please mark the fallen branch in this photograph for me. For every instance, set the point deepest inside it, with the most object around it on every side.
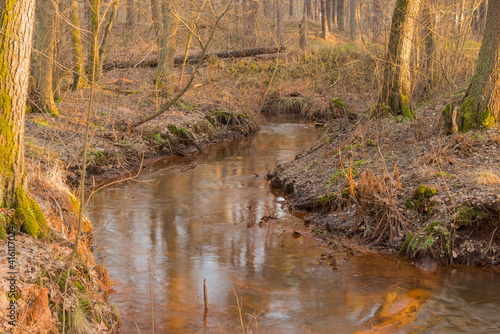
(195, 58)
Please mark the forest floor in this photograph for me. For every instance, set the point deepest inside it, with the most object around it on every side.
(400, 186)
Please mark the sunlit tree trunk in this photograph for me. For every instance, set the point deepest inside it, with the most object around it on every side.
(481, 105)
(324, 23)
(168, 44)
(107, 33)
(329, 6)
(279, 23)
(396, 87)
(43, 59)
(94, 9)
(340, 15)
(156, 16)
(79, 67)
(377, 20)
(428, 21)
(131, 14)
(15, 45)
(353, 19)
(290, 8)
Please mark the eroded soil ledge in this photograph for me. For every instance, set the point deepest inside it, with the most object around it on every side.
(400, 186)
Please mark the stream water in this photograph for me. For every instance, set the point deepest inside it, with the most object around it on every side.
(200, 220)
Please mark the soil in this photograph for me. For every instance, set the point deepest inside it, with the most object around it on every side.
(397, 186)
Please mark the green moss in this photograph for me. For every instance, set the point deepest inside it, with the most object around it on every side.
(326, 198)
(178, 131)
(79, 286)
(467, 115)
(3, 233)
(487, 119)
(420, 199)
(406, 110)
(370, 142)
(468, 214)
(337, 102)
(426, 192)
(28, 215)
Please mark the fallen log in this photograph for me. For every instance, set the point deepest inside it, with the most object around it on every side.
(194, 58)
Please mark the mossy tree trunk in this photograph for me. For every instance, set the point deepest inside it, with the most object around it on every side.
(42, 67)
(79, 67)
(481, 105)
(168, 44)
(15, 47)
(94, 11)
(396, 86)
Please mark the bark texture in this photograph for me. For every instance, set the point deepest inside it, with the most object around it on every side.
(156, 16)
(79, 67)
(43, 60)
(481, 105)
(353, 19)
(15, 50)
(324, 22)
(396, 87)
(168, 44)
(94, 9)
(107, 33)
(340, 15)
(279, 23)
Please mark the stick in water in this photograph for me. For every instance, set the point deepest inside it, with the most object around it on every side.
(205, 299)
(151, 292)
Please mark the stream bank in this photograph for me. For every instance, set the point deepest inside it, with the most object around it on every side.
(401, 187)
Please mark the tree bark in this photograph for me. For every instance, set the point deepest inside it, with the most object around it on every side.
(340, 15)
(353, 19)
(377, 19)
(168, 44)
(279, 23)
(329, 6)
(290, 8)
(131, 14)
(15, 45)
(43, 59)
(107, 33)
(428, 21)
(324, 23)
(396, 86)
(481, 105)
(79, 67)
(303, 34)
(94, 11)
(156, 16)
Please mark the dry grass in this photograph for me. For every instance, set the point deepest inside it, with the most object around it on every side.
(487, 177)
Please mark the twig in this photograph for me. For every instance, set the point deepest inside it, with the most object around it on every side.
(151, 292)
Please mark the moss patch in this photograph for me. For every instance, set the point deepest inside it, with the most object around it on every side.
(28, 215)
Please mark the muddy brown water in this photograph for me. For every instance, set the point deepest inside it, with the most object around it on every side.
(195, 223)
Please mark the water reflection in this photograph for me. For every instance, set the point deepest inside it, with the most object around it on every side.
(194, 223)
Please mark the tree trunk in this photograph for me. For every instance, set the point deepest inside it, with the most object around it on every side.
(396, 87)
(329, 6)
(16, 25)
(481, 104)
(43, 59)
(303, 34)
(156, 16)
(340, 15)
(377, 21)
(428, 21)
(95, 71)
(79, 67)
(279, 23)
(324, 23)
(107, 34)
(353, 19)
(290, 8)
(131, 15)
(167, 45)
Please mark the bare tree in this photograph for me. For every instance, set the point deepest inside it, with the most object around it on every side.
(168, 43)
(324, 23)
(340, 15)
(94, 16)
(353, 19)
(79, 67)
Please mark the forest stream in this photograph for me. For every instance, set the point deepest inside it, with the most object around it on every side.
(215, 218)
